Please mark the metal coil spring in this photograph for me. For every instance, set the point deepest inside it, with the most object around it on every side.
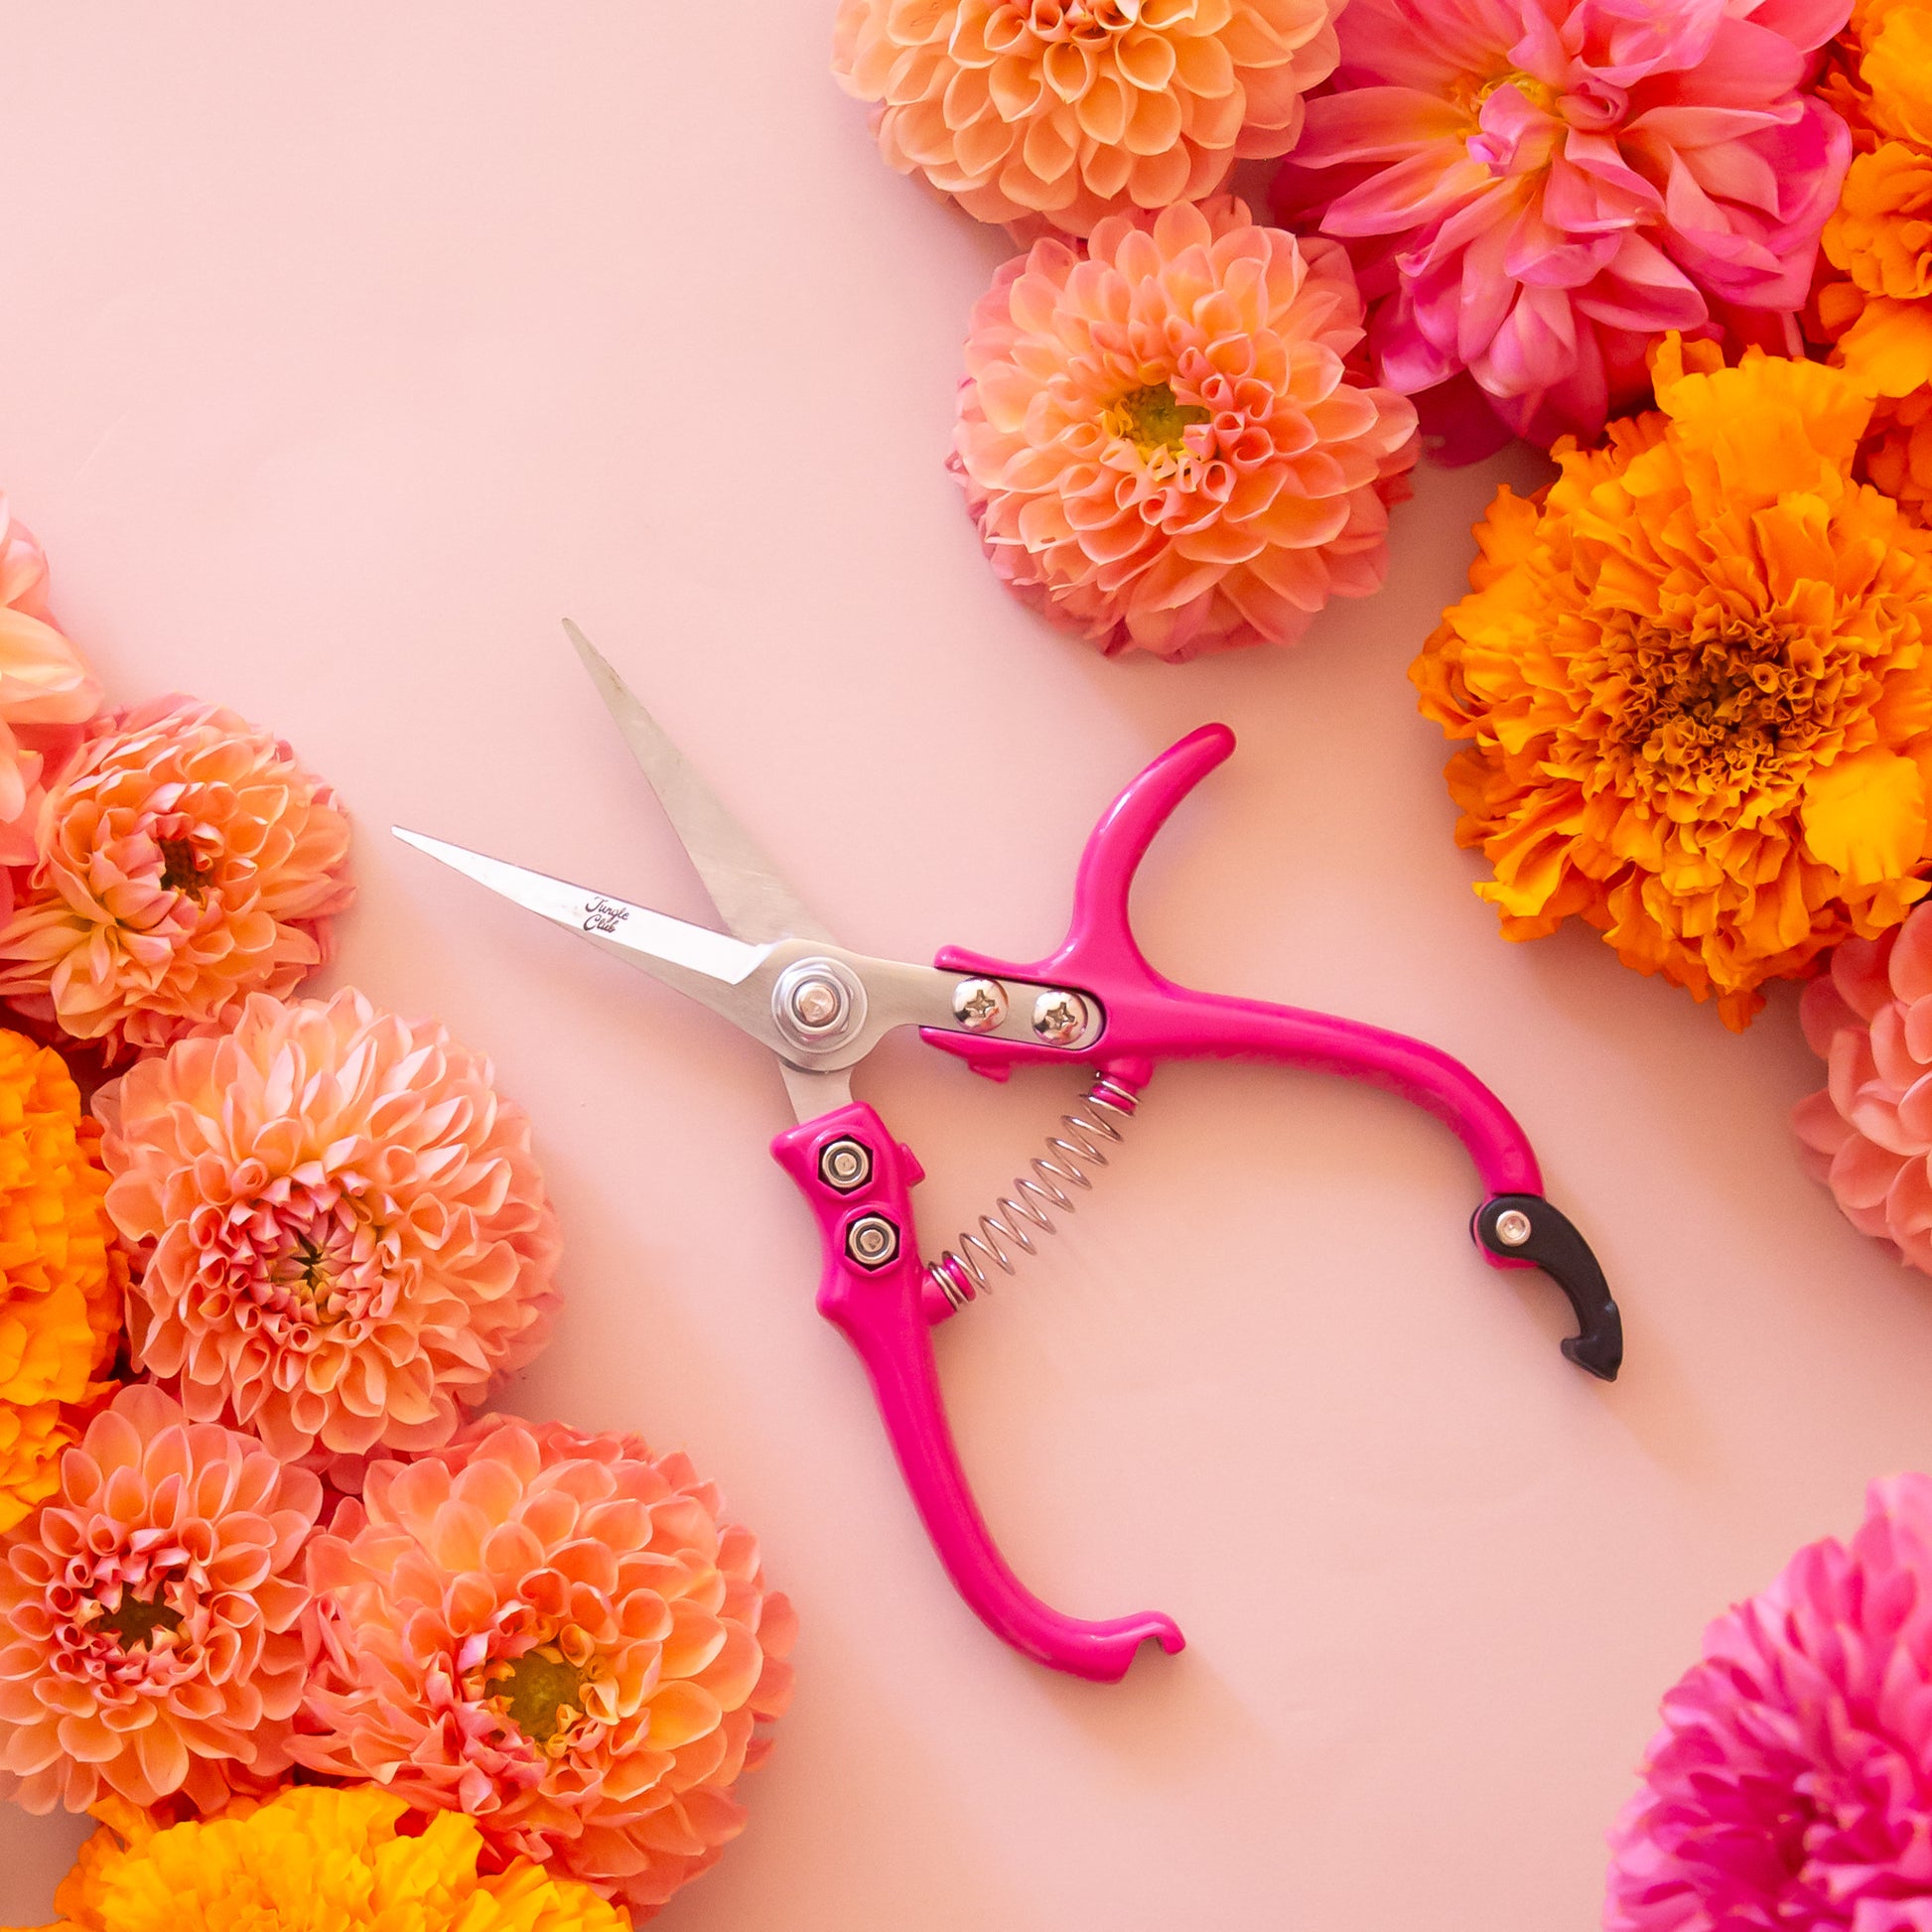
(966, 1271)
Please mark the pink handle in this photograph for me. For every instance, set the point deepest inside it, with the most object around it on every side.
(858, 1182)
(1146, 1018)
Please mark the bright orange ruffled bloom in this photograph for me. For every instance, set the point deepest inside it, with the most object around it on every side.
(558, 1634)
(1071, 109)
(1877, 305)
(60, 1288)
(319, 1859)
(1694, 672)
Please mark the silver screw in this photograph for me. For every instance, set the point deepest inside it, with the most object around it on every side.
(1059, 1019)
(1512, 1227)
(979, 1005)
(816, 1003)
(871, 1241)
(844, 1164)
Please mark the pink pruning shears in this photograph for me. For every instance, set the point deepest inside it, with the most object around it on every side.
(1095, 1001)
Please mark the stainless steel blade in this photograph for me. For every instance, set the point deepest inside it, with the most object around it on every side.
(751, 898)
(713, 968)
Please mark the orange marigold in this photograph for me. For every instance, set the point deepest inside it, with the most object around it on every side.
(60, 1289)
(1877, 307)
(1898, 453)
(1695, 673)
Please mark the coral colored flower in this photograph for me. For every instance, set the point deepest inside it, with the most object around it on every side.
(1073, 109)
(59, 1287)
(1791, 1783)
(1537, 190)
(47, 694)
(1163, 439)
(189, 862)
(557, 1634)
(344, 1235)
(1875, 301)
(1868, 1134)
(151, 1613)
(319, 1859)
(1695, 678)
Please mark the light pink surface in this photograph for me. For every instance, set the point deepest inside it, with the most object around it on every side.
(346, 350)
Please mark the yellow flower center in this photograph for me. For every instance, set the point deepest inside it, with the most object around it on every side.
(552, 1693)
(181, 870)
(137, 1618)
(1150, 419)
(1538, 93)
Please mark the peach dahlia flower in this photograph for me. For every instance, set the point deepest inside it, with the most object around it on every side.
(47, 694)
(1165, 440)
(188, 861)
(344, 1235)
(557, 1634)
(149, 1613)
(1072, 109)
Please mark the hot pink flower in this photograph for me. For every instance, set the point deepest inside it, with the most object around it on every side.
(1868, 1134)
(150, 1613)
(342, 1234)
(1790, 1788)
(558, 1634)
(188, 861)
(1163, 436)
(1537, 190)
(47, 694)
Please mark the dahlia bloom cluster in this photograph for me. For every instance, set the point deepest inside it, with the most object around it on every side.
(1788, 1785)
(1694, 682)
(328, 1860)
(1166, 439)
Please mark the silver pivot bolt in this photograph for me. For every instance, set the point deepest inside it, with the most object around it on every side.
(1513, 1227)
(818, 1003)
(844, 1164)
(1059, 1019)
(979, 1005)
(871, 1241)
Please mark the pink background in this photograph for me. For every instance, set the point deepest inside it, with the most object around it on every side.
(348, 349)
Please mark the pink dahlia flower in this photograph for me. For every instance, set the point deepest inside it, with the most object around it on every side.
(558, 1634)
(150, 1615)
(1537, 190)
(342, 1235)
(1791, 1783)
(1164, 437)
(1072, 109)
(1868, 1135)
(47, 694)
(188, 861)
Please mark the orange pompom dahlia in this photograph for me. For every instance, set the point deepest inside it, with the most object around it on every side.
(1695, 675)
(189, 862)
(1058, 112)
(557, 1634)
(59, 1282)
(151, 1613)
(344, 1231)
(1164, 439)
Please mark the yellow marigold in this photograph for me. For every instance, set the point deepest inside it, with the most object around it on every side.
(1696, 677)
(326, 1860)
(60, 1299)
(1877, 309)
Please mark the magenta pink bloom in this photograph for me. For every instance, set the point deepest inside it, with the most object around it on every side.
(1790, 1788)
(1536, 191)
